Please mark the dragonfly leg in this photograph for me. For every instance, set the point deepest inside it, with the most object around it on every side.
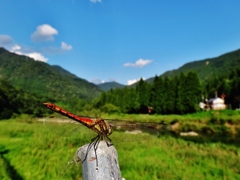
(90, 146)
(108, 141)
(97, 141)
(94, 143)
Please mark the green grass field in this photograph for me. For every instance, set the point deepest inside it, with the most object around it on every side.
(29, 151)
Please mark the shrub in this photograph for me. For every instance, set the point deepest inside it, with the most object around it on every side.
(110, 108)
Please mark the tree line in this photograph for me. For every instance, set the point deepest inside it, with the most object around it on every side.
(177, 95)
(165, 96)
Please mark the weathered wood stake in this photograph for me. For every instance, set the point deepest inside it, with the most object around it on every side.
(108, 167)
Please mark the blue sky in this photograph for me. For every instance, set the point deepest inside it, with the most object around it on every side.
(119, 40)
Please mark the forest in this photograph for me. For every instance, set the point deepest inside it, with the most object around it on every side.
(177, 95)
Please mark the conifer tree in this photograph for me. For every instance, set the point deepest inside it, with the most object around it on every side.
(157, 96)
(143, 92)
(189, 93)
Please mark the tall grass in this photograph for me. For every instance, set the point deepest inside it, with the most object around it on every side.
(32, 151)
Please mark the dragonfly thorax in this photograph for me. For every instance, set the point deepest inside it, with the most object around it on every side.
(102, 128)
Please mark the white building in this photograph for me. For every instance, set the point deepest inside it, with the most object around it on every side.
(216, 104)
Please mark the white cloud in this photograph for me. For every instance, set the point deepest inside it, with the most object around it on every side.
(65, 46)
(97, 81)
(130, 82)
(5, 40)
(16, 48)
(95, 1)
(44, 32)
(35, 55)
(138, 63)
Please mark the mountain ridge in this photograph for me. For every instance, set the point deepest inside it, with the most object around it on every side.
(208, 67)
(205, 68)
(44, 79)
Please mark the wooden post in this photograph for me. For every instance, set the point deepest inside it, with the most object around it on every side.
(108, 167)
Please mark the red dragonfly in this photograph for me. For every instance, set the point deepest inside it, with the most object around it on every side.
(104, 129)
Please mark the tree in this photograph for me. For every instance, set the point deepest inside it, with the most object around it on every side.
(189, 93)
(157, 96)
(170, 95)
(130, 99)
(143, 92)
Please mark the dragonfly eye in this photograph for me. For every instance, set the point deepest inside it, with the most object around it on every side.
(110, 129)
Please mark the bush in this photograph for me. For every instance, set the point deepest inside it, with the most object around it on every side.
(110, 108)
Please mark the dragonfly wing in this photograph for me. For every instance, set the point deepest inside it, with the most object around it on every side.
(148, 127)
(136, 131)
(67, 128)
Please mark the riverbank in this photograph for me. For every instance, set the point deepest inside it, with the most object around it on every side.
(204, 123)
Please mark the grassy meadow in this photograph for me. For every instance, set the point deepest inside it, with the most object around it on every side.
(30, 150)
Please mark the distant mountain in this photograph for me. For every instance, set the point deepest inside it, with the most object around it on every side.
(110, 85)
(42, 79)
(208, 68)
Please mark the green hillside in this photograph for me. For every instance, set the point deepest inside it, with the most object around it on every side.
(14, 102)
(44, 80)
(208, 68)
